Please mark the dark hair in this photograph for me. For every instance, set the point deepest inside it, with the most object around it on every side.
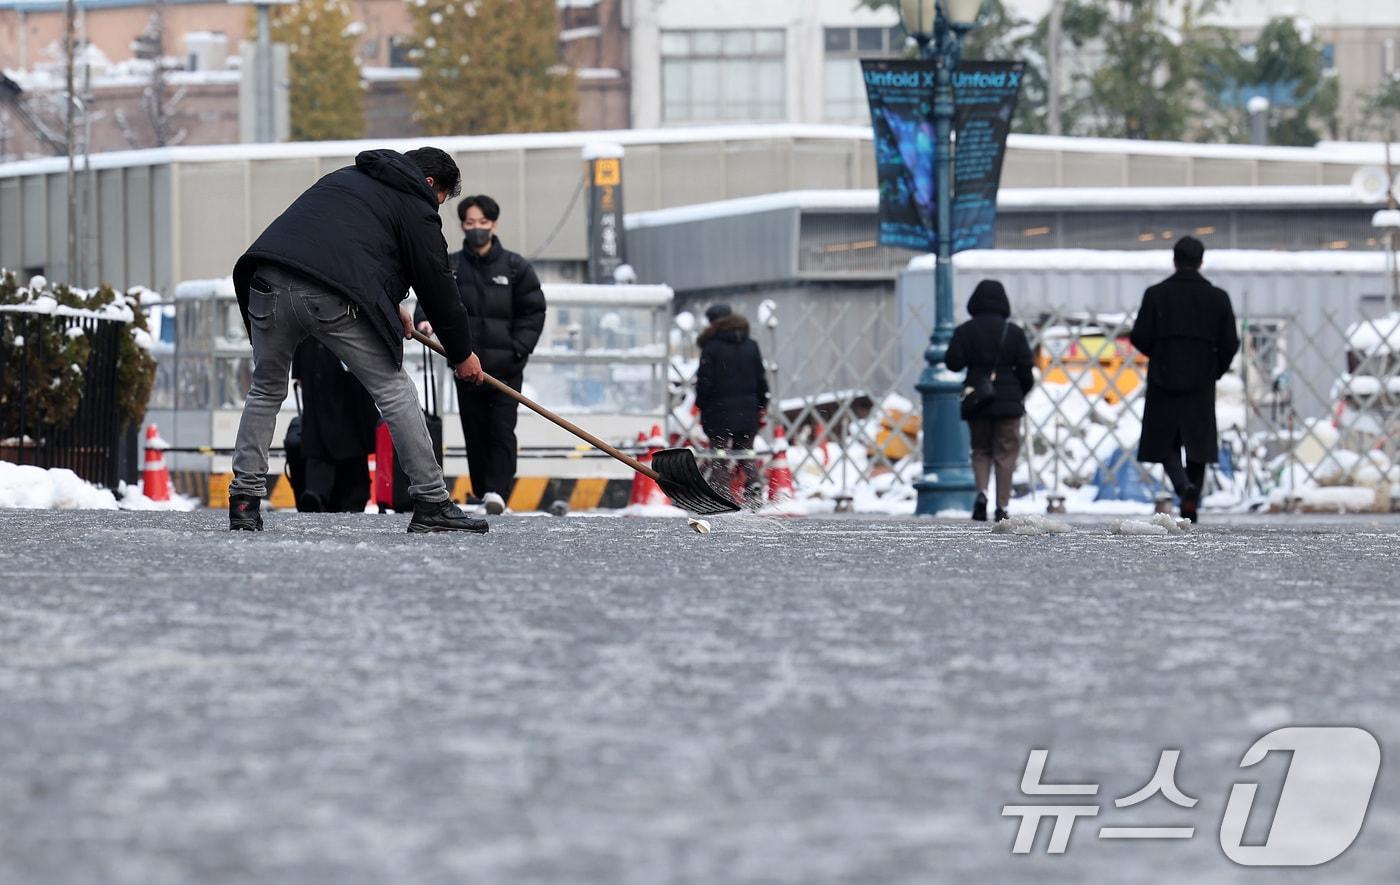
(1188, 253)
(718, 312)
(489, 207)
(440, 167)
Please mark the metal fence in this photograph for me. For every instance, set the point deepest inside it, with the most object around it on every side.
(1308, 416)
(90, 443)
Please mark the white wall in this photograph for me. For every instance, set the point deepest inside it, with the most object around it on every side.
(802, 21)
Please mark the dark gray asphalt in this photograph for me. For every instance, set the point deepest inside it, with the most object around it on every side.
(620, 700)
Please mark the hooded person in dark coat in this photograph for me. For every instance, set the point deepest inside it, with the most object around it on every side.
(335, 266)
(986, 344)
(506, 306)
(338, 420)
(1186, 329)
(731, 392)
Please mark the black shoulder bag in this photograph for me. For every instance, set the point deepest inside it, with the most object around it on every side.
(978, 394)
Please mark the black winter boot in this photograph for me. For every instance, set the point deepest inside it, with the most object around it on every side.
(979, 508)
(443, 516)
(244, 513)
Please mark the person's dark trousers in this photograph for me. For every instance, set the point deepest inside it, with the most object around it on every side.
(342, 486)
(488, 431)
(1187, 482)
(721, 473)
(996, 444)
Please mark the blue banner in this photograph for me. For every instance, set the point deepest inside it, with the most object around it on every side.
(900, 93)
(901, 112)
(984, 95)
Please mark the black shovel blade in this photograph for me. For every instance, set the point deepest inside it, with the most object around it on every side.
(683, 483)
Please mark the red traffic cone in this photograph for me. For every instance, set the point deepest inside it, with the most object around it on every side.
(645, 491)
(155, 476)
(780, 486)
(370, 465)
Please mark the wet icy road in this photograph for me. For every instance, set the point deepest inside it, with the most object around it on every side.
(610, 700)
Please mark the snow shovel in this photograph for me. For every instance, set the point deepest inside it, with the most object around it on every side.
(674, 470)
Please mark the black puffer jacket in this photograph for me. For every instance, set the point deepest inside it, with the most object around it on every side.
(505, 304)
(977, 347)
(368, 231)
(731, 385)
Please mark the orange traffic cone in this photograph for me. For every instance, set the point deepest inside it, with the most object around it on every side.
(645, 491)
(155, 476)
(780, 486)
(369, 463)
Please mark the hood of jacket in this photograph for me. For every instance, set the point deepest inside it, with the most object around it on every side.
(732, 328)
(397, 171)
(989, 297)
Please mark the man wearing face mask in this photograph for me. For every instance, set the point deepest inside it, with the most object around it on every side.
(506, 307)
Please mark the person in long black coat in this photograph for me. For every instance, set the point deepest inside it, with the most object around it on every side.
(731, 392)
(987, 343)
(1186, 329)
(338, 421)
(506, 306)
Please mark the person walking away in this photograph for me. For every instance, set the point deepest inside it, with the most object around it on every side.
(506, 306)
(336, 266)
(994, 351)
(731, 392)
(1186, 329)
(337, 432)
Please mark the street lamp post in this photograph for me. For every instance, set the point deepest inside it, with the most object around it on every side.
(938, 26)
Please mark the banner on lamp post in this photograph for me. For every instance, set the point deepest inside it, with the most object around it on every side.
(984, 97)
(900, 93)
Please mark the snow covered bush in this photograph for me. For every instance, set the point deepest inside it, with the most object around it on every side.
(39, 345)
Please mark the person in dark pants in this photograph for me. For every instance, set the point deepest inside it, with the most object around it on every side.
(731, 392)
(337, 432)
(336, 266)
(505, 303)
(987, 343)
(1186, 329)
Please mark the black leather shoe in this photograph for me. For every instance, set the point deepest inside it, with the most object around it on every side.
(310, 502)
(443, 516)
(1002, 515)
(979, 508)
(244, 513)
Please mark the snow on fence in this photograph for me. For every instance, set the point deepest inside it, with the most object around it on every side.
(1309, 416)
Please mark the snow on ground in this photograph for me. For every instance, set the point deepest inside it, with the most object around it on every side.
(834, 699)
(26, 487)
(1159, 524)
(1030, 525)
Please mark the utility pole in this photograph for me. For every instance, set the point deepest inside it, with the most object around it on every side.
(70, 17)
(1053, 122)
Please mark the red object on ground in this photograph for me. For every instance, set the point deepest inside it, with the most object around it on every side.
(373, 479)
(155, 476)
(780, 487)
(382, 488)
(645, 491)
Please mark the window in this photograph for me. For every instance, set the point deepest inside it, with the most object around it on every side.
(843, 88)
(399, 48)
(722, 75)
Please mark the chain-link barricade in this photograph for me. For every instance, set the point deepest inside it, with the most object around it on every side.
(1308, 416)
(842, 405)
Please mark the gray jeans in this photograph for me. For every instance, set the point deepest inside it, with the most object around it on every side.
(291, 309)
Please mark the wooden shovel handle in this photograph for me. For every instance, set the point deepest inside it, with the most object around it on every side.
(550, 416)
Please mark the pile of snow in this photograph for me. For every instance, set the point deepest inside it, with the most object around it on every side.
(1160, 524)
(1030, 525)
(26, 487)
(1330, 499)
(132, 498)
